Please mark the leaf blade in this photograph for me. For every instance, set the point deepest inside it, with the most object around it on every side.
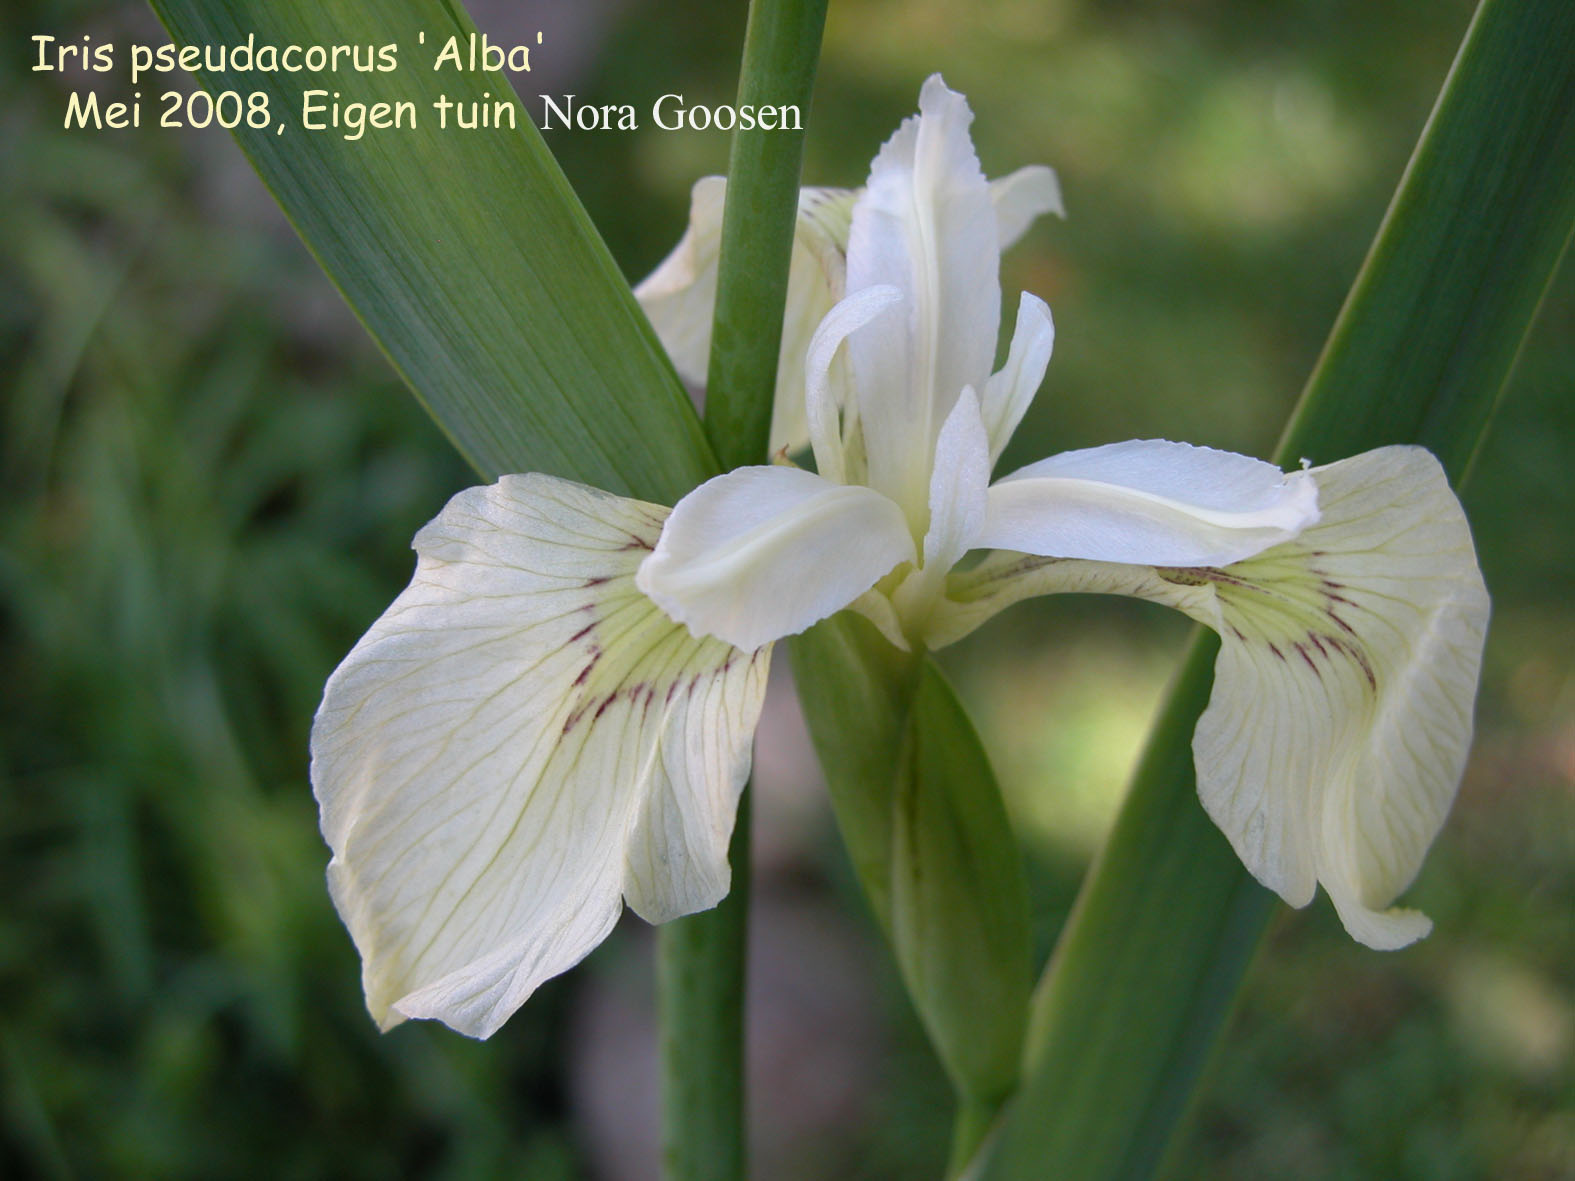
(959, 897)
(927, 831)
(464, 253)
(1420, 353)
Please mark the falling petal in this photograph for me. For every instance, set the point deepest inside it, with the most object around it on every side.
(519, 743)
(1338, 728)
(1341, 717)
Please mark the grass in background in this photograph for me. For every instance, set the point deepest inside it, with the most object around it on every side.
(211, 480)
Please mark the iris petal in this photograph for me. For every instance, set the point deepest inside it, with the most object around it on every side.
(1151, 502)
(1021, 197)
(765, 552)
(926, 226)
(1338, 728)
(520, 742)
(827, 400)
(1007, 395)
(679, 296)
(1377, 616)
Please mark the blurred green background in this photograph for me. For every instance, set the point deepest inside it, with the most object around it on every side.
(211, 479)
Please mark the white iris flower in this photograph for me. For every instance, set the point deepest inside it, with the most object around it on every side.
(680, 294)
(555, 717)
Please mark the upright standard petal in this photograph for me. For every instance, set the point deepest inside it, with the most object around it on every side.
(1021, 198)
(1150, 502)
(765, 552)
(1006, 396)
(1338, 728)
(522, 740)
(925, 224)
(680, 295)
(958, 485)
(957, 506)
(832, 414)
(817, 279)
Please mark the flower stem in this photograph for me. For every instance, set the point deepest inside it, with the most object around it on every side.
(781, 51)
(701, 959)
(700, 990)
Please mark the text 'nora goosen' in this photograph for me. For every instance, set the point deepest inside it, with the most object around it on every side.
(670, 113)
